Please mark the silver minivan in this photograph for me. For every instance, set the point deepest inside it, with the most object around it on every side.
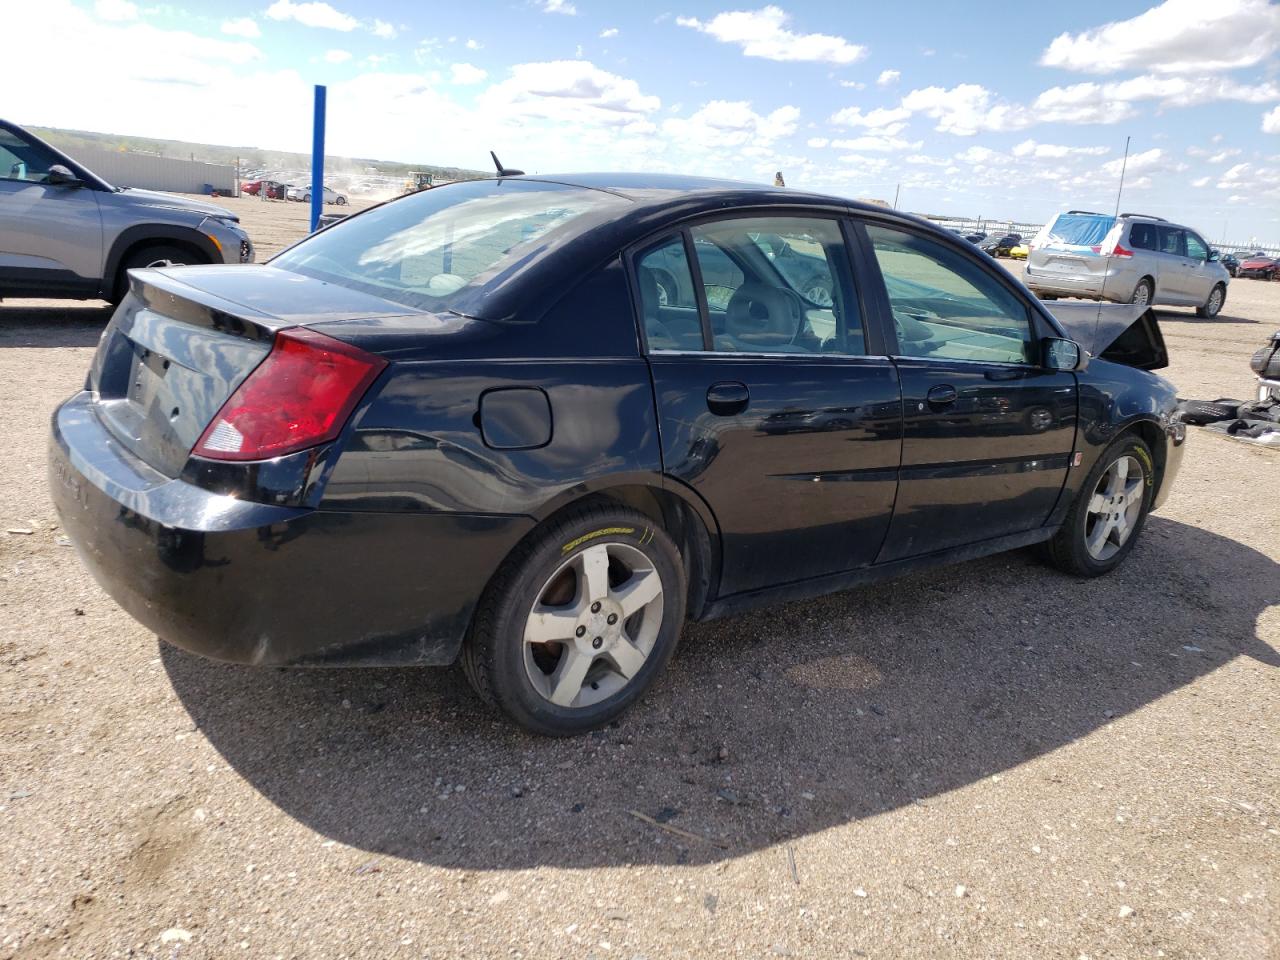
(1131, 258)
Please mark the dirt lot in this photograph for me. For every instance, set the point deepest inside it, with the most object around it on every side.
(988, 760)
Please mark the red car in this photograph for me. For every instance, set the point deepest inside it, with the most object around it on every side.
(1260, 268)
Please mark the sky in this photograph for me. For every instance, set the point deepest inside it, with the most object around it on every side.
(964, 108)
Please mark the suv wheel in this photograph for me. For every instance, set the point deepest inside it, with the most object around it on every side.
(579, 621)
(1213, 305)
(153, 255)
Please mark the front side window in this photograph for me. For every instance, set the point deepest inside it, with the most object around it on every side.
(425, 250)
(778, 285)
(1196, 249)
(20, 160)
(945, 306)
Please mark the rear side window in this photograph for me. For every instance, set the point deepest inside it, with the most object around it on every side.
(1173, 241)
(1078, 230)
(668, 306)
(1143, 236)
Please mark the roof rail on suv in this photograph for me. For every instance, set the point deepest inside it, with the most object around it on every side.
(1091, 213)
(1142, 216)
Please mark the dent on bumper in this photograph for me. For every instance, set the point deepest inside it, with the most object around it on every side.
(254, 583)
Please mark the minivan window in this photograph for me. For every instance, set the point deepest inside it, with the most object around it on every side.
(1143, 236)
(1079, 230)
(1172, 241)
(424, 249)
(1196, 249)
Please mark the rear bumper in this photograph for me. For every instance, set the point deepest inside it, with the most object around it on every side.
(254, 583)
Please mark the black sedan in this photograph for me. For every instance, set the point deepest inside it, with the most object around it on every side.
(1000, 245)
(538, 423)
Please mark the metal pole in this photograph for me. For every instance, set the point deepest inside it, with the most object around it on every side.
(896, 191)
(1123, 165)
(317, 159)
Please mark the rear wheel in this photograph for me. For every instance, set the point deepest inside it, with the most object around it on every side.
(1104, 522)
(1142, 292)
(578, 622)
(1213, 305)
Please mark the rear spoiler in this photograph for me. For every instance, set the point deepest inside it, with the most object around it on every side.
(1124, 333)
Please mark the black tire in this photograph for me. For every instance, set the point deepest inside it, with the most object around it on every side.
(1200, 412)
(155, 254)
(1067, 550)
(1150, 288)
(341, 201)
(494, 654)
(1209, 310)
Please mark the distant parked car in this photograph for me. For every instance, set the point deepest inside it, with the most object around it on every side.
(1230, 262)
(304, 194)
(1264, 267)
(1020, 250)
(66, 232)
(999, 246)
(1132, 258)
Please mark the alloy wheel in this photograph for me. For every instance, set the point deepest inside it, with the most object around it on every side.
(1114, 508)
(1215, 302)
(1142, 295)
(593, 625)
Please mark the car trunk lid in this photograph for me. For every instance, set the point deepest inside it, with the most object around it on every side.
(184, 340)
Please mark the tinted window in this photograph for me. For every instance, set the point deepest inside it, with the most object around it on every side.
(1196, 249)
(424, 249)
(668, 307)
(947, 306)
(1143, 236)
(20, 160)
(778, 285)
(1172, 240)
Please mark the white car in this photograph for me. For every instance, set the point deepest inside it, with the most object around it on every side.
(303, 193)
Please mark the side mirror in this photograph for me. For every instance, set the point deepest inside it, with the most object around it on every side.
(1059, 354)
(1214, 256)
(60, 176)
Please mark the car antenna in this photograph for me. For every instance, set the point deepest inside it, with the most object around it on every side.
(1097, 322)
(503, 171)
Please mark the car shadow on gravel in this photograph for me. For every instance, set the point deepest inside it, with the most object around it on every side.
(1189, 316)
(75, 325)
(766, 727)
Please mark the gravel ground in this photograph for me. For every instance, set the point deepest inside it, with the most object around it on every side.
(986, 760)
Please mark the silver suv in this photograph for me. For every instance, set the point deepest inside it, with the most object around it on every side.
(1132, 258)
(65, 232)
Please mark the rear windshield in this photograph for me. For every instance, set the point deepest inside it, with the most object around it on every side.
(425, 249)
(1079, 230)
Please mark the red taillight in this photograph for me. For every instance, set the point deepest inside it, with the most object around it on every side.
(299, 396)
(1120, 251)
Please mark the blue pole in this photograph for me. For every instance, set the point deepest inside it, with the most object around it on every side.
(317, 159)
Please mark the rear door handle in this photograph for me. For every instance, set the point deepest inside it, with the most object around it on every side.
(941, 395)
(727, 398)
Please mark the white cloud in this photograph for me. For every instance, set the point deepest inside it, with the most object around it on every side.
(880, 117)
(817, 143)
(888, 77)
(474, 44)
(1223, 155)
(376, 60)
(570, 90)
(464, 74)
(763, 33)
(608, 32)
(1187, 92)
(559, 6)
(853, 84)
(1138, 162)
(1177, 36)
(732, 123)
(115, 10)
(242, 27)
(1053, 151)
(1271, 121)
(314, 14)
(966, 109)
(387, 31)
(1201, 181)
(878, 143)
(1079, 103)
(337, 56)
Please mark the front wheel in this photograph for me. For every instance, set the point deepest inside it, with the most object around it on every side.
(341, 201)
(1213, 305)
(578, 622)
(1104, 522)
